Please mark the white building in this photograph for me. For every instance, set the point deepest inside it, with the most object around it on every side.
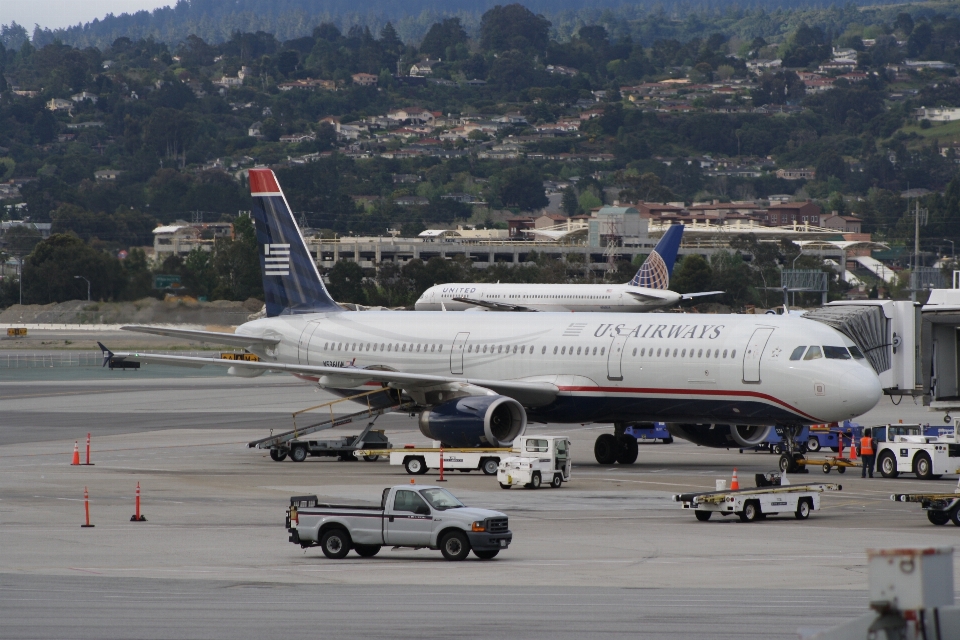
(938, 114)
(182, 237)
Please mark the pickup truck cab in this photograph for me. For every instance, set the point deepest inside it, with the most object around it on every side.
(417, 516)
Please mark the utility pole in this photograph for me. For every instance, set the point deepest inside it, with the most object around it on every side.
(918, 213)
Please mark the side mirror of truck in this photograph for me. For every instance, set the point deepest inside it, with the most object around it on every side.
(423, 510)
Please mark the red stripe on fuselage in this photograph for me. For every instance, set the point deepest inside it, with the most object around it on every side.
(692, 392)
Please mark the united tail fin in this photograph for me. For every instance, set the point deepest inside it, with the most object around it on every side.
(656, 270)
(291, 282)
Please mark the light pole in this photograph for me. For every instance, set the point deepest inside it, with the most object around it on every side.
(953, 249)
(88, 285)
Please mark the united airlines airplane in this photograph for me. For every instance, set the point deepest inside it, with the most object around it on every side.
(648, 290)
(476, 379)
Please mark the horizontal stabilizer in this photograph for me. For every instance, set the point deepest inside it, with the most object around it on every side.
(690, 296)
(216, 337)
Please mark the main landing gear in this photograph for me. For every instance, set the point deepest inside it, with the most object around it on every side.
(616, 447)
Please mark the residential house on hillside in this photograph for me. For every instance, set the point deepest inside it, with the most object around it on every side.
(797, 174)
(365, 79)
(788, 213)
(423, 68)
(844, 224)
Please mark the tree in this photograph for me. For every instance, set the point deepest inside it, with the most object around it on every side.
(513, 27)
(48, 273)
(442, 39)
(522, 187)
(693, 275)
(569, 202)
(346, 282)
(237, 263)
(831, 165)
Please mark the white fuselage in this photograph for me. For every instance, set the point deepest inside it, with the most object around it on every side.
(650, 367)
(617, 298)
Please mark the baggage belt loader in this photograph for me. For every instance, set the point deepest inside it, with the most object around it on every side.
(768, 498)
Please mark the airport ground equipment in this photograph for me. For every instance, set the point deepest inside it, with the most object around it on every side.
(420, 460)
(768, 498)
(941, 508)
(538, 460)
(902, 448)
(832, 462)
(649, 432)
(911, 598)
(409, 515)
(291, 443)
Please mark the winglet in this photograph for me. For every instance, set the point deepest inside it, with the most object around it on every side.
(107, 354)
(656, 270)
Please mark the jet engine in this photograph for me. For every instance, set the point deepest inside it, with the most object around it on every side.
(721, 435)
(475, 421)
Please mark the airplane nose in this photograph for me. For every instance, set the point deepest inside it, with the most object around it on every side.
(860, 391)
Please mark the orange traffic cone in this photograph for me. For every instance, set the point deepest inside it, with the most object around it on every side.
(76, 453)
(734, 483)
(853, 449)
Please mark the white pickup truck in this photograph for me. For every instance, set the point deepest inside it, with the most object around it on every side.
(417, 516)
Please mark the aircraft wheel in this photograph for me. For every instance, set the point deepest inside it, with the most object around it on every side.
(628, 450)
(605, 449)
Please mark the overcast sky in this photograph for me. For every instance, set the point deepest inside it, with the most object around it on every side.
(64, 13)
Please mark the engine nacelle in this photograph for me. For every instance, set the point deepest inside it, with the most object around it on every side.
(721, 435)
(475, 421)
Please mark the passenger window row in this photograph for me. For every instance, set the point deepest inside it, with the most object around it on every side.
(403, 348)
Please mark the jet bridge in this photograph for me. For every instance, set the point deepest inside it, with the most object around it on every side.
(888, 334)
(940, 340)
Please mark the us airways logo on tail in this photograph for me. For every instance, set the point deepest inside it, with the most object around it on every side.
(276, 259)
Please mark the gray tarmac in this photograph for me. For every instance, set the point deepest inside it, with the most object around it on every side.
(608, 555)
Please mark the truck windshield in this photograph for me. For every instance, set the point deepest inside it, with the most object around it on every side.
(441, 499)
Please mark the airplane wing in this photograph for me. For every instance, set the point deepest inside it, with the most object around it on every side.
(232, 339)
(494, 306)
(691, 296)
(648, 297)
(526, 393)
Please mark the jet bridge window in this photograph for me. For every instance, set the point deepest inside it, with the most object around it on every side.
(813, 353)
(836, 353)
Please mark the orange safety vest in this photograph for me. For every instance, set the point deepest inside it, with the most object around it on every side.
(866, 446)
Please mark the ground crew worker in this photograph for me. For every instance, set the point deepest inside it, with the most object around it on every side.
(866, 453)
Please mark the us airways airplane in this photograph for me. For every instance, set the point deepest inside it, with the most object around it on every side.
(476, 379)
(648, 290)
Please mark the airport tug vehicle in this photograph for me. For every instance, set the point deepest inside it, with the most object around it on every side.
(538, 459)
(773, 495)
(903, 448)
(409, 515)
(941, 508)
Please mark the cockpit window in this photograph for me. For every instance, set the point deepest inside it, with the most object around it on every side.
(797, 353)
(813, 353)
(856, 353)
(836, 353)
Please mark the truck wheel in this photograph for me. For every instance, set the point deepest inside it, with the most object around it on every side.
(298, 454)
(628, 449)
(803, 509)
(454, 546)
(888, 465)
(813, 443)
(414, 465)
(486, 555)
(938, 517)
(668, 440)
(335, 544)
(366, 550)
(841, 469)
(371, 458)
(489, 466)
(955, 516)
(751, 511)
(557, 481)
(826, 467)
(703, 516)
(534, 481)
(278, 455)
(605, 449)
(922, 466)
(505, 486)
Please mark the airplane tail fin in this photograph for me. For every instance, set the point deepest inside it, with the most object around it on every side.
(656, 270)
(291, 282)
